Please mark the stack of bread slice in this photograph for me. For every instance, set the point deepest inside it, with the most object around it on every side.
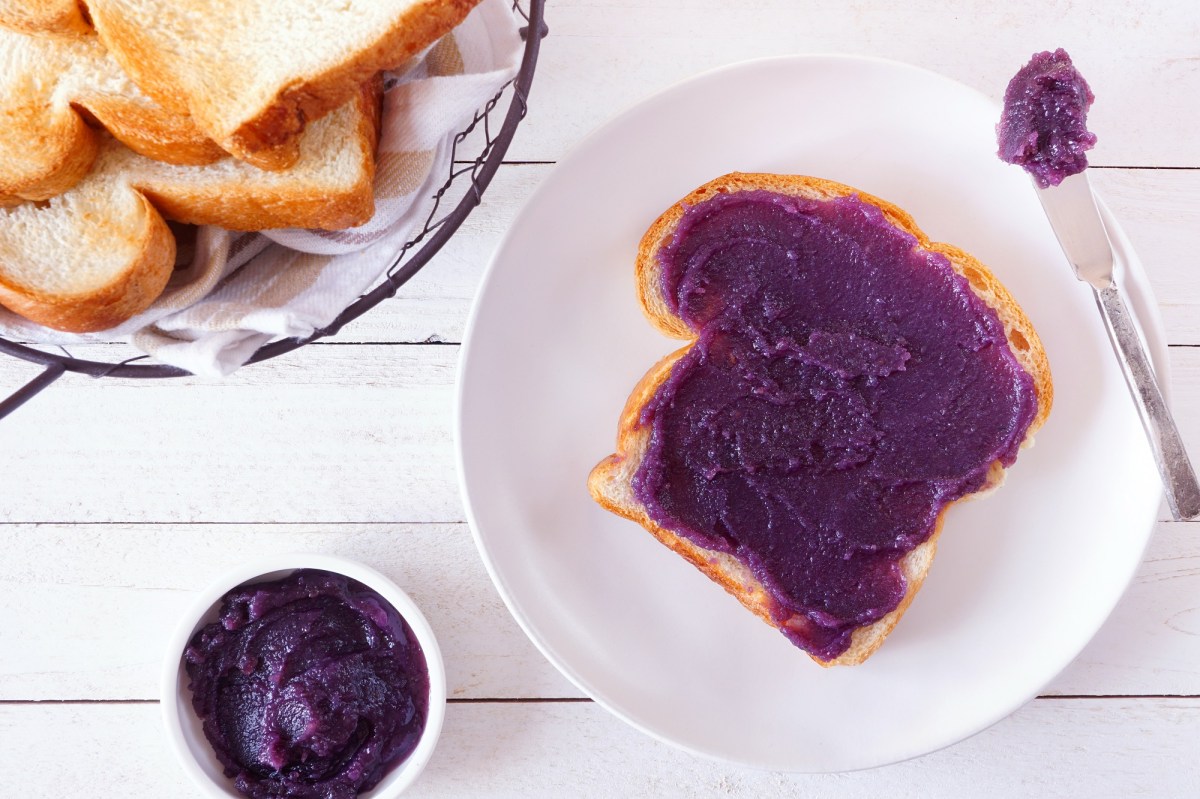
(116, 115)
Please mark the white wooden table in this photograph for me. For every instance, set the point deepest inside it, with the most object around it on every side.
(120, 499)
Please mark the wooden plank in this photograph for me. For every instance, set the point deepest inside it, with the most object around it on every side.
(1159, 209)
(1151, 642)
(599, 59)
(329, 434)
(88, 608)
(326, 434)
(1102, 748)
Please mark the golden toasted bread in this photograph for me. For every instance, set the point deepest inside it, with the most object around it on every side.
(44, 16)
(93, 256)
(254, 73)
(51, 88)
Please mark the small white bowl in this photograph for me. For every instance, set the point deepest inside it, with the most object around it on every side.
(184, 730)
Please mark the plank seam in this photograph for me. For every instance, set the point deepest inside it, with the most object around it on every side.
(573, 700)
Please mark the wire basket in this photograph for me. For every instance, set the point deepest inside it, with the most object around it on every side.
(467, 179)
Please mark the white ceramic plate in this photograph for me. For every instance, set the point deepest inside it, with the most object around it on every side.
(556, 341)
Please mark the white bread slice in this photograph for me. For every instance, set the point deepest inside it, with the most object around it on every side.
(253, 73)
(610, 483)
(40, 16)
(100, 253)
(49, 86)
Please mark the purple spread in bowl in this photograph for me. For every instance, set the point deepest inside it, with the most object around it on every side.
(844, 388)
(309, 686)
(1044, 124)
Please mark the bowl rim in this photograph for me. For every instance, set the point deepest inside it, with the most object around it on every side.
(175, 698)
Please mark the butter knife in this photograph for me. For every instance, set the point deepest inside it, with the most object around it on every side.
(1071, 208)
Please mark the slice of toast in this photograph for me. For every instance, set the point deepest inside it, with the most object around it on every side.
(611, 483)
(51, 87)
(96, 255)
(253, 73)
(42, 16)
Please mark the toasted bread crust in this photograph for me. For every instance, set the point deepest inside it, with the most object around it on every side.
(44, 16)
(269, 139)
(52, 86)
(610, 483)
(127, 294)
(170, 138)
(66, 149)
(311, 207)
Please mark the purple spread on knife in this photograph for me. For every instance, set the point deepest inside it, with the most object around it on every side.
(309, 686)
(1044, 124)
(844, 388)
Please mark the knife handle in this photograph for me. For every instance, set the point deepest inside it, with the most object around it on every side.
(1179, 479)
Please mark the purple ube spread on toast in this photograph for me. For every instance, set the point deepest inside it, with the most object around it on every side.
(310, 686)
(844, 388)
(1044, 124)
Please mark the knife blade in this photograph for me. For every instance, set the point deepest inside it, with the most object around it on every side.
(1071, 209)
